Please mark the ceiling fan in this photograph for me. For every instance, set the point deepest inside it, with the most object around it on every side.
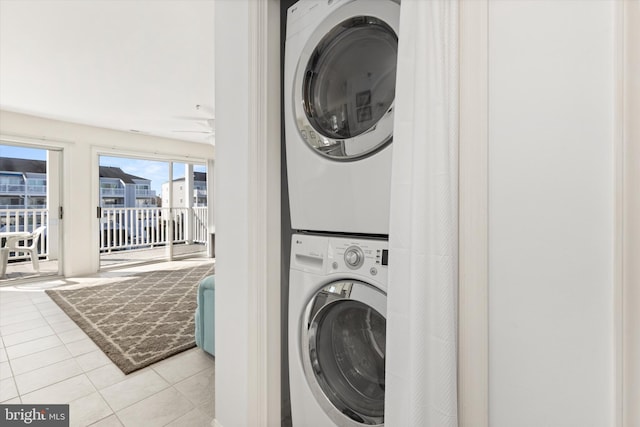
(206, 119)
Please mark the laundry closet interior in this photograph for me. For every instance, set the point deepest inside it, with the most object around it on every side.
(338, 102)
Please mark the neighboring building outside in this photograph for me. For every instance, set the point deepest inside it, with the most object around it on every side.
(179, 191)
(23, 185)
(119, 189)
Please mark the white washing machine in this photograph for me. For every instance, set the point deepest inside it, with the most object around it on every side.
(337, 331)
(340, 77)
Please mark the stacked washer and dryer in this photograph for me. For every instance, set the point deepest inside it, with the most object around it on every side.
(340, 72)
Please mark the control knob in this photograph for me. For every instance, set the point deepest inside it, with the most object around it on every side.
(354, 257)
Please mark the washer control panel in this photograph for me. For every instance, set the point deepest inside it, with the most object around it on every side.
(340, 255)
(365, 257)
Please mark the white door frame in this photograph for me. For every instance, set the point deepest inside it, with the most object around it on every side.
(264, 202)
(251, 248)
(473, 301)
(628, 215)
(473, 322)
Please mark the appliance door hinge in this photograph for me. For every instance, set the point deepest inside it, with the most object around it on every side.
(60, 212)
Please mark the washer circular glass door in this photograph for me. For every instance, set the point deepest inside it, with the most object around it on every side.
(344, 352)
(344, 88)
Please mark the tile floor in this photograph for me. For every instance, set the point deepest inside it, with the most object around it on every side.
(46, 358)
(17, 271)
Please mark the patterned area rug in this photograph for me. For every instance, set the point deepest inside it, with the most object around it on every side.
(139, 321)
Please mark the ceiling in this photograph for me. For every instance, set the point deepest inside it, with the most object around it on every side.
(136, 65)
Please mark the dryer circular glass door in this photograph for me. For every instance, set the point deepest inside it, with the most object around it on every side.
(344, 88)
(343, 351)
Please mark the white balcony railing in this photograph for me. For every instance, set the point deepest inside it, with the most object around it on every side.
(200, 229)
(11, 188)
(106, 192)
(37, 190)
(145, 193)
(120, 228)
(133, 228)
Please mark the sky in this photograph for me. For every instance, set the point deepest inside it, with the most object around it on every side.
(157, 172)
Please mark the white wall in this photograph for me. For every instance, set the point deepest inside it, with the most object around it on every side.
(81, 145)
(551, 201)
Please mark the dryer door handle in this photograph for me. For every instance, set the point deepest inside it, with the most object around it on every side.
(306, 102)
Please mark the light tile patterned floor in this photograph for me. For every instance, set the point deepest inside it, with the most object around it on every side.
(46, 358)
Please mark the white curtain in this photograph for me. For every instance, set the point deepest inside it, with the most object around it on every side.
(421, 362)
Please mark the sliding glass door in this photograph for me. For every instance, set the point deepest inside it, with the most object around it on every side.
(150, 210)
(30, 212)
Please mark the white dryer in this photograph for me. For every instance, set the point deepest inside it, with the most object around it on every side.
(339, 90)
(337, 331)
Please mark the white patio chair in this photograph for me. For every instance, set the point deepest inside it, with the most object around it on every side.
(11, 245)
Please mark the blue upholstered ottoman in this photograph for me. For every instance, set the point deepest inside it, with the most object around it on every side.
(205, 322)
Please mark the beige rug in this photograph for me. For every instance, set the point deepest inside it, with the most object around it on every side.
(139, 321)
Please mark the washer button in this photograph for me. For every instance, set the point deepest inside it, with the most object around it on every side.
(334, 265)
(373, 271)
